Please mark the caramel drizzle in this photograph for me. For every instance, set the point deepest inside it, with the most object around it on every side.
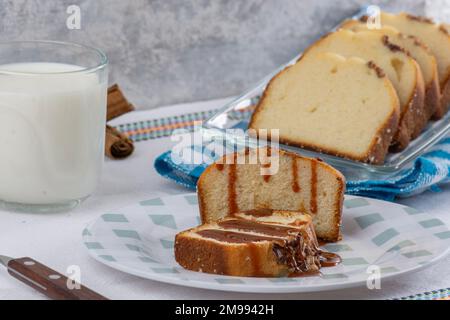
(266, 177)
(232, 176)
(313, 200)
(295, 185)
(232, 203)
(254, 258)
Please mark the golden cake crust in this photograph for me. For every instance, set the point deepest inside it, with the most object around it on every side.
(414, 119)
(433, 97)
(445, 99)
(432, 105)
(196, 254)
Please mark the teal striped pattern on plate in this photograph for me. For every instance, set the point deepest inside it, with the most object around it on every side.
(139, 239)
(441, 294)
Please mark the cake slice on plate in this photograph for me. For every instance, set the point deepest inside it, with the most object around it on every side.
(258, 243)
(426, 60)
(273, 179)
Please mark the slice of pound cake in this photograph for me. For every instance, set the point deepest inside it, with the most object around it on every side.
(435, 36)
(273, 179)
(402, 70)
(258, 243)
(342, 106)
(426, 60)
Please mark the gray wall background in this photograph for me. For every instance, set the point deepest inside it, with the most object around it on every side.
(170, 51)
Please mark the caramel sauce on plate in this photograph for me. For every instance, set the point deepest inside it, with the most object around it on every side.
(329, 259)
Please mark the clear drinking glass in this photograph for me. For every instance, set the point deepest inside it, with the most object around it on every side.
(52, 124)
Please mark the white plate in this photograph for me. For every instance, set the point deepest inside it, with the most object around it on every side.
(139, 239)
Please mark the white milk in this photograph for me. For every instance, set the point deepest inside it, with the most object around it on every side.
(52, 130)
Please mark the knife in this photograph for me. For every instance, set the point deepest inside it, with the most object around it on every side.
(47, 281)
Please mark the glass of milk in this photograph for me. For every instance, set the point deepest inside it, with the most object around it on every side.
(52, 124)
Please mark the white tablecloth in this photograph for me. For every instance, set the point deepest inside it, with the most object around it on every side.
(55, 239)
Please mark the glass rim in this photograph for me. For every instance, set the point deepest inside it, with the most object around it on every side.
(98, 66)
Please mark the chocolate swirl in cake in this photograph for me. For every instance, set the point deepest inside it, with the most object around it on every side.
(234, 236)
(419, 19)
(378, 70)
(300, 252)
(253, 226)
(392, 46)
(261, 212)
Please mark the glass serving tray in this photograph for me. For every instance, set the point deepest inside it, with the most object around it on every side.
(237, 113)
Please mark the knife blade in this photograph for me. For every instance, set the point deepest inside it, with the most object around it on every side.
(46, 280)
(4, 260)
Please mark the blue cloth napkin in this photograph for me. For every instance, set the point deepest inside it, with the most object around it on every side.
(428, 171)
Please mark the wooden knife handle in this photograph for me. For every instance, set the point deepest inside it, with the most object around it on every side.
(49, 282)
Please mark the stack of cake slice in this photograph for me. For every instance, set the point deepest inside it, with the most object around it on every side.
(436, 37)
(260, 218)
(427, 62)
(319, 104)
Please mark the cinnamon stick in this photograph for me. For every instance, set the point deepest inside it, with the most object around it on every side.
(117, 144)
(117, 103)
